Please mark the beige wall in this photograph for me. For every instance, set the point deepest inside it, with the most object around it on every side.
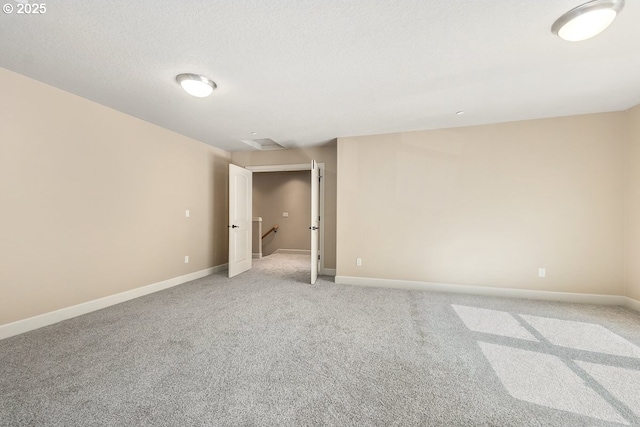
(326, 155)
(278, 192)
(487, 205)
(632, 261)
(93, 201)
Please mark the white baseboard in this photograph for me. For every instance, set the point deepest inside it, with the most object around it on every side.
(329, 272)
(292, 251)
(632, 303)
(256, 255)
(46, 319)
(488, 291)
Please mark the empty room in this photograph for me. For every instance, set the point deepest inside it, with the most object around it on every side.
(320, 213)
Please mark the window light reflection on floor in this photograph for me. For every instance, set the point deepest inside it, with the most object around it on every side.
(546, 379)
(492, 322)
(582, 336)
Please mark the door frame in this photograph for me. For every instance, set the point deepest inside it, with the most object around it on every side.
(302, 167)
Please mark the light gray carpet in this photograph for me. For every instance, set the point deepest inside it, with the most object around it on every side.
(266, 349)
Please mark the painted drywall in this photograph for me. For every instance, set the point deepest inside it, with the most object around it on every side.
(487, 205)
(632, 235)
(278, 192)
(327, 155)
(93, 201)
(256, 236)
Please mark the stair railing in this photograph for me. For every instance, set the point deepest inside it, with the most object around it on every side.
(272, 229)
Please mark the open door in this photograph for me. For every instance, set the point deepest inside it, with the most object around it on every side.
(315, 220)
(240, 206)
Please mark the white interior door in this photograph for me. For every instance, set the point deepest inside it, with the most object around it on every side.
(315, 220)
(240, 206)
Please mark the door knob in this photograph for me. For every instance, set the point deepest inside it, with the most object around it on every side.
(313, 228)
(233, 226)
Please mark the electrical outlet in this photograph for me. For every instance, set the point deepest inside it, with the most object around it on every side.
(187, 213)
(359, 262)
(542, 272)
(186, 259)
(285, 214)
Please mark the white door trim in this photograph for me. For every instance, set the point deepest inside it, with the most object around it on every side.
(302, 167)
(280, 168)
(314, 220)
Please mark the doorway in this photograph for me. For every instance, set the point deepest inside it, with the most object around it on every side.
(281, 205)
(315, 221)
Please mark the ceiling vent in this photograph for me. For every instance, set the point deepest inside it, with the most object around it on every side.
(263, 144)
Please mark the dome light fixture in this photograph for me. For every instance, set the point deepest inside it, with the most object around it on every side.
(587, 20)
(196, 85)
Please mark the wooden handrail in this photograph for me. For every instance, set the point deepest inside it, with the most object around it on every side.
(274, 229)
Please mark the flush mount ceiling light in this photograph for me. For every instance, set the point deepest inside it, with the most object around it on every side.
(587, 20)
(196, 85)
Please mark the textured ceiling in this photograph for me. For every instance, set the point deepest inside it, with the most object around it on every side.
(303, 72)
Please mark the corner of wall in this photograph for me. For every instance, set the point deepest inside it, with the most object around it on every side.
(632, 205)
(625, 219)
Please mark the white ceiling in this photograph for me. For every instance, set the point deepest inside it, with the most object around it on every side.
(303, 72)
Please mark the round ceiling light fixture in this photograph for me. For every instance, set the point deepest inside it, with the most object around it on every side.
(587, 20)
(196, 85)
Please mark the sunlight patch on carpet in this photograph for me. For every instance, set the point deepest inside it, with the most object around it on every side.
(582, 336)
(492, 322)
(545, 380)
(623, 384)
